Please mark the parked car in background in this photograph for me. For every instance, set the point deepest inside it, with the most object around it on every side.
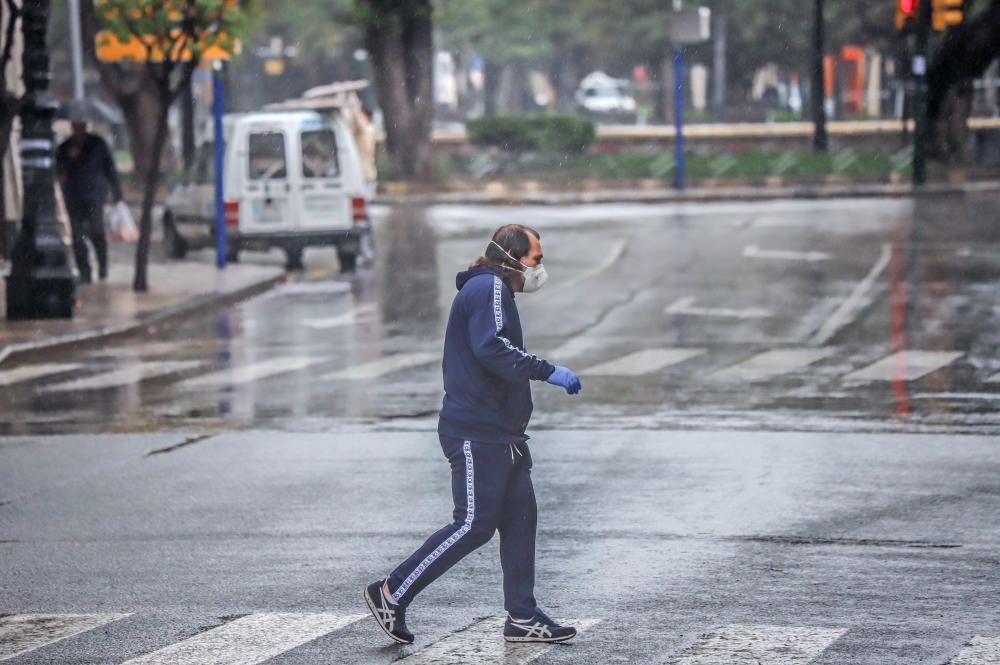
(293, 179)
(606, 98)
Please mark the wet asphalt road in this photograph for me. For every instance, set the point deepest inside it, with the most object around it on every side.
(837, 506)
(841, 315)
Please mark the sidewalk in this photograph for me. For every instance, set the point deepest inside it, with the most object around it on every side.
(112, 308)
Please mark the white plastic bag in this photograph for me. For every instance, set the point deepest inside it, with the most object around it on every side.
(123, 228)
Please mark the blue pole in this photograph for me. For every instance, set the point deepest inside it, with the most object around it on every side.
(218, 105)
(679, 117)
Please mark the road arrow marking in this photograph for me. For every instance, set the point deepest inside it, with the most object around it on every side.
(905, 366)
(754, 252)
(21, 633)
(685, 307)
(855, 302)
(341, 320)
(774, 645)
(482, 643)
(248, 640)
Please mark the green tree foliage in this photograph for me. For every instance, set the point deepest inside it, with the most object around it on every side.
(175, 34)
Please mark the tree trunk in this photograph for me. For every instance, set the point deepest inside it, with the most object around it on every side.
(151, 183)
(399, 40)
(138, 107)
(491, 87)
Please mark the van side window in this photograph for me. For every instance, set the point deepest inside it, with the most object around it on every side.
(267, 156)
(319, 154)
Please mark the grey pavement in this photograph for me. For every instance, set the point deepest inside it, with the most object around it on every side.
(668, 541)
(785, 450)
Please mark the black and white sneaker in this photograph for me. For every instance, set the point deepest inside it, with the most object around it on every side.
(391, 618)
(539, 629)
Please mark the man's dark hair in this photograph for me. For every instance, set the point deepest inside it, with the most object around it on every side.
(513, 238)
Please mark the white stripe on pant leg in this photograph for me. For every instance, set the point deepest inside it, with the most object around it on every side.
(979, 651)
(21, 633)
(774, 645)
(249, 640)
(470, 513)
(483, 643)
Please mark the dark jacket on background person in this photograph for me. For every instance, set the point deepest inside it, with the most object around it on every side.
(486, 370)
(86, 176)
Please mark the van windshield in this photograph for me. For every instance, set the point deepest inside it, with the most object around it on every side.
(319, 154)
(267, 156)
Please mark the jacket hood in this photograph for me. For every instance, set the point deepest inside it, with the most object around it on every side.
(464, 276)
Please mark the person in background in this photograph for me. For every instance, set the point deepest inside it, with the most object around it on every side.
(87, 175)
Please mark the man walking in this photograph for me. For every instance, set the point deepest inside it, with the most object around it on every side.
(86, 171)
(482, 426)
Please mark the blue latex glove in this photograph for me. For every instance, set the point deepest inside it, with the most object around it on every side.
(567, 378)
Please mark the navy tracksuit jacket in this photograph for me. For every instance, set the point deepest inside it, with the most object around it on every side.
(486, 409)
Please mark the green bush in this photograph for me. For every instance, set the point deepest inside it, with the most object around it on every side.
(549, 132)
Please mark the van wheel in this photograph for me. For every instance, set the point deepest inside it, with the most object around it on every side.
(174, 246)
(348, 260)
(294, 258)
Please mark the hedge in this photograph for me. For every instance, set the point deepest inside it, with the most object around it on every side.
(548, 132)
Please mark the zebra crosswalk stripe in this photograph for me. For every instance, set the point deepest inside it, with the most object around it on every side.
(739, 644)
(905, 366)
(377, 368)
(253, 372)
(994, 379)
(248, 640)
(642, 362)
(978, 651)
(127, 375)
(482, 643)
(773, 363)
(21, 633)
(29, 372)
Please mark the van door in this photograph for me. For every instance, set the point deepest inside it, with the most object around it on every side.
(318, 184)
(264, 206)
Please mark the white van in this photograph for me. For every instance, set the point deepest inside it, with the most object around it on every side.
(292, 179)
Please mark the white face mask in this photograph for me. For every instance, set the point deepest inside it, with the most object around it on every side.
(534, 278)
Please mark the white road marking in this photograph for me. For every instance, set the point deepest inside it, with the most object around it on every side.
(978, 651)
(346, 319)
(482, 643)
(686, 307)
(905, 365)
(573, 348)
(617, 250)
(752, 645)
(754, 252)
(642, 362)
(773, 363)
(855, 302)
(994, 379)
(383, 366)
(984, 397)
(29, 372)
(254, 372)
(248, 640)
(21, 633)
(125, 376)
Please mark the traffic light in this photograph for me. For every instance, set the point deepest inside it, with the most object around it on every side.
(906, 13)
(947, 13)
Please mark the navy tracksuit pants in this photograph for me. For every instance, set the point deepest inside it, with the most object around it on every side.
(491, 486)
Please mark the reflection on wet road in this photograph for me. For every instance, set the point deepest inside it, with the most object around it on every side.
(855, 315)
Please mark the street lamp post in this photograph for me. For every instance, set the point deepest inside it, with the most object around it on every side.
(40, 284)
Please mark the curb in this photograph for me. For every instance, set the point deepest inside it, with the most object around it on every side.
(186, 309)
(701, 195)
